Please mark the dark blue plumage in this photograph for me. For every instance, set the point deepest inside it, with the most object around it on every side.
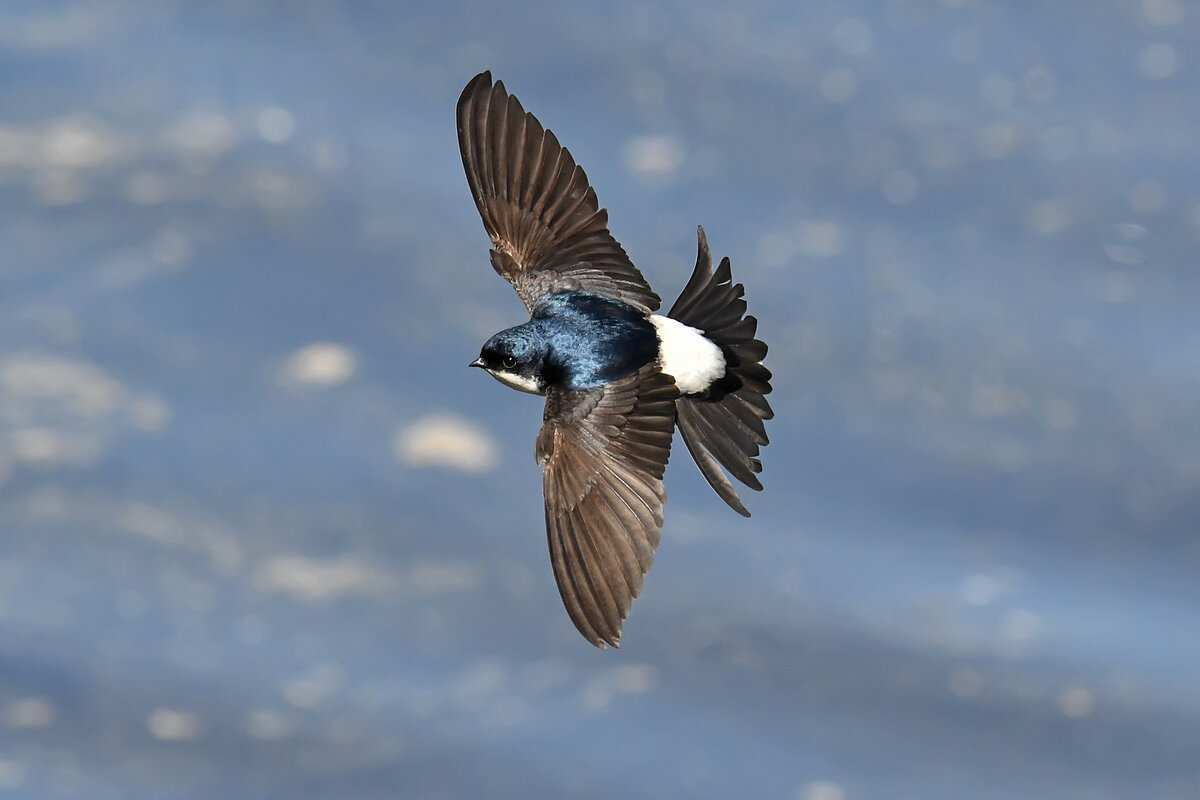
(576, 340)
(617, 376)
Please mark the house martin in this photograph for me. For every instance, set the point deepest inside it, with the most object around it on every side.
(618, 377)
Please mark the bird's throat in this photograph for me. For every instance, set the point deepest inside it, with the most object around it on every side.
(522, 383)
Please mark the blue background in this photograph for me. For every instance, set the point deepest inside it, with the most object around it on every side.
(262, 534)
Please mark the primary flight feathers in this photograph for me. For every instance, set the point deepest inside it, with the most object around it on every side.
(613, 395)
(548, 232)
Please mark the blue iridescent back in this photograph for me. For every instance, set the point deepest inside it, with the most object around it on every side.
(592, 340)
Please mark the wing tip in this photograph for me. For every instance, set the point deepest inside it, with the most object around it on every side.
(483, 78)
(481, 82)
(603, 643)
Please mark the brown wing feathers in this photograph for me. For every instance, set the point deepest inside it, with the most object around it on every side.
(547, 228)
(604, 452)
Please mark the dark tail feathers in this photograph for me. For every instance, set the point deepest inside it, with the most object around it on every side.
(724, 426)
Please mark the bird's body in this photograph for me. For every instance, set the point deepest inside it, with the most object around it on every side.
(585, 340)
(577, 341)
(617, 377)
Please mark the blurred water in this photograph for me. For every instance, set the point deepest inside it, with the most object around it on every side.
(265, 536)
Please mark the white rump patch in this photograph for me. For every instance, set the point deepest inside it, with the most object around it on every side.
(687, 355)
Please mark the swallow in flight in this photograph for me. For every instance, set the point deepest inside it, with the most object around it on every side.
(617, 377)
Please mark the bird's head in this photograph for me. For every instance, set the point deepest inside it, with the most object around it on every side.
(514, 357)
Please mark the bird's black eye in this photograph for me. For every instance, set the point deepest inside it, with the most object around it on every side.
(509, 362)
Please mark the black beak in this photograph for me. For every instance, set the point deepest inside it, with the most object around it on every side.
(477, 362)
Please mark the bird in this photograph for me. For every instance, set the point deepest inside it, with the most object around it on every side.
(618, 377)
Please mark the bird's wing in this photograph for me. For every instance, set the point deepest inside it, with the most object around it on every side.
(604, 451)
(548, 232)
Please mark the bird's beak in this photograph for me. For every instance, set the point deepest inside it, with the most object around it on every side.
(477, 362)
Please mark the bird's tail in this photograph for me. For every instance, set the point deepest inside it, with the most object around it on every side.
(723, 426)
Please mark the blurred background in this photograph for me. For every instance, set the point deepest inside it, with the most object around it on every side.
(263, 534)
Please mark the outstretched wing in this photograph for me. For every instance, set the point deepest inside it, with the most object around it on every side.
(604, 451)
(548, 232)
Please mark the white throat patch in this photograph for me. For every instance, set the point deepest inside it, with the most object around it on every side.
(519, 382)
(687, 355)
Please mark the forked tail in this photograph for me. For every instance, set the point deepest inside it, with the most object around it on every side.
(723, 426)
